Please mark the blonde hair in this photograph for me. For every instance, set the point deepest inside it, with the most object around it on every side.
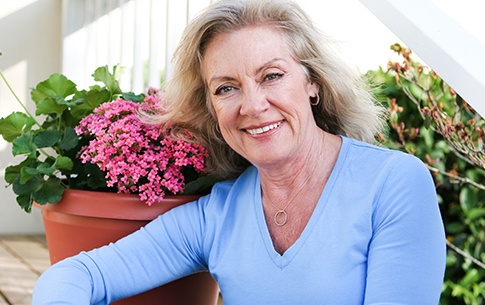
(346, 107)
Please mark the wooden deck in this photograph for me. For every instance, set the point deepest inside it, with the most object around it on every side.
(22, 260)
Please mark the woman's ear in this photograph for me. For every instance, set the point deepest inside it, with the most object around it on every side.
(313, 89)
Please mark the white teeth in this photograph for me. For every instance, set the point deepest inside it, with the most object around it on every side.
(263, 129)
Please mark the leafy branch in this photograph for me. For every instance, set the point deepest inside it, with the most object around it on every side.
(49, 147)
(428, 119)
(465, 255)
(457, 122)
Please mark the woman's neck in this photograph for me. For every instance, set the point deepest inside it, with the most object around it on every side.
(300, 170)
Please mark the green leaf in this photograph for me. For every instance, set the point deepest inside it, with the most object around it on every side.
(130, 96)
(468, 196)
(41, 169)
(396, 47)
(46, 168)
(47, 138)
(13, 172)
(476, 213)
(24, 145)
(14, 125)
(200, 186)
(69, 140)
(96, 177)
(427, 135)
(50, 105)
(393, 118)
(25, 202)
(474, 174)
(50, 191)
(31, 186)
(57, 85)
(102, 74)
(40, 190)
(471, 276)
(451, 260)
(118, 71)
(88, 101)
(27, 173)
(427, 121)
(455, 228)
(63, 163)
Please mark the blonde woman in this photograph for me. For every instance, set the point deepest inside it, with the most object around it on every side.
(312, 212)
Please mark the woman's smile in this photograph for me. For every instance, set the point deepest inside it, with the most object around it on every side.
(264, 129)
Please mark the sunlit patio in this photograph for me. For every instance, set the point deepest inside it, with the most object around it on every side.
(22, 260)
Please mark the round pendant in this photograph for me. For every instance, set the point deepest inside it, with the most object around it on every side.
(280, 218)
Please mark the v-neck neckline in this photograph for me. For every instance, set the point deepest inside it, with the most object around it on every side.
(283, 260)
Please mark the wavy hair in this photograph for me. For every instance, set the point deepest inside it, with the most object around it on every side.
(346, 107)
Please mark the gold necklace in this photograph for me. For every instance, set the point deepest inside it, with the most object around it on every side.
(281, 213)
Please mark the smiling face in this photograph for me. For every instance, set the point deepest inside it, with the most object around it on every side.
(260, 95)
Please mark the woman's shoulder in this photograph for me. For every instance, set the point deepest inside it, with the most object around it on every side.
(378, 161)
(242, 186)
(367, 148)
(374, 153)
(249, 176)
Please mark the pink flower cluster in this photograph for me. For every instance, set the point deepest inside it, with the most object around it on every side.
(136, 156)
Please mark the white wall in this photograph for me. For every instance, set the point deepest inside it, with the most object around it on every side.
(30, 43)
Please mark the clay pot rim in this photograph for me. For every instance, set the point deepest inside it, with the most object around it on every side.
(112, 205)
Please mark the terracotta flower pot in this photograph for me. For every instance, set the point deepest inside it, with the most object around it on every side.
(84, 220)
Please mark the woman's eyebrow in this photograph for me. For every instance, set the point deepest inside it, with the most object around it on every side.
(269, 63)
(258, 70)
(220, 79)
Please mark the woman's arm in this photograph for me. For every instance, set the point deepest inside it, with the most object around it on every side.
(407, 253)
(166, 249)
(70, 281)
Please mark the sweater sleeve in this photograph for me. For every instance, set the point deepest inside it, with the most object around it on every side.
(407, 252)
(168, 248)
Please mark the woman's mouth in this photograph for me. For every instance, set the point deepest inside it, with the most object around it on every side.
(257, 131)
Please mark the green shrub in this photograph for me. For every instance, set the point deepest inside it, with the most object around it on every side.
(428, 119)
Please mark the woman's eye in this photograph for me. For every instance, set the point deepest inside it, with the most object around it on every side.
(273, 76)
(223, 89)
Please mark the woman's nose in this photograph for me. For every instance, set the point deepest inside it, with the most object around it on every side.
(253, 103)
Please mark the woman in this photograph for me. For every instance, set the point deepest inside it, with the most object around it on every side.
(314, 215)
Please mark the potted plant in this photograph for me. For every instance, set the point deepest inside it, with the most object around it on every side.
(93, 166)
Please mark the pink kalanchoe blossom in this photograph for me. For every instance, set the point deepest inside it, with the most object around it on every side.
(136, 156)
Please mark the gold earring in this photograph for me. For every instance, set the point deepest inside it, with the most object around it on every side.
(317, 102)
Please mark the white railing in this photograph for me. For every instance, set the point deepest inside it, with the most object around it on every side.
(450, 49)
(138, 34)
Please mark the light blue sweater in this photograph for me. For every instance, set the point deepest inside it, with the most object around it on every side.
(375, 237)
